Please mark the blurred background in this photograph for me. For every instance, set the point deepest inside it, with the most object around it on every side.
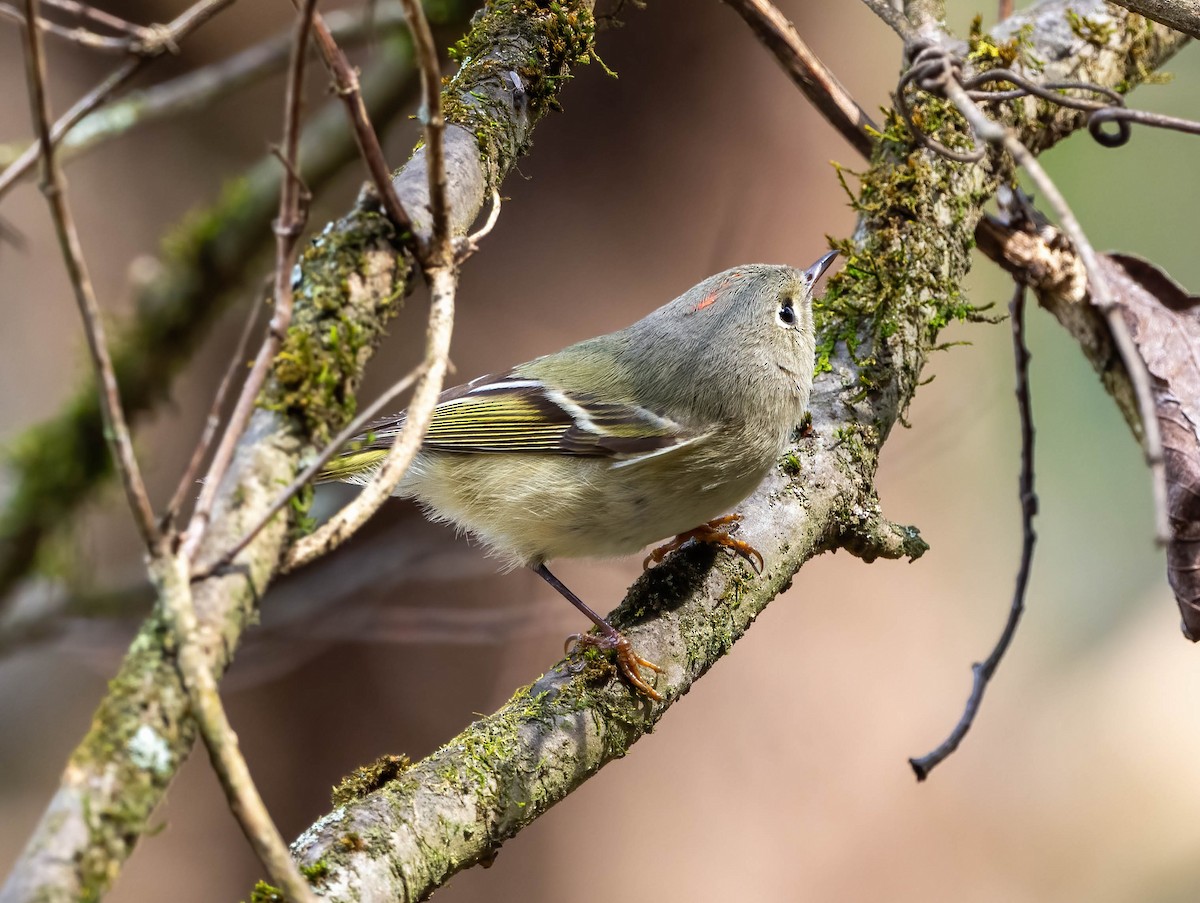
(783, 775)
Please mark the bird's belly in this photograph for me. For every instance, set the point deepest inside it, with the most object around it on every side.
(528, 509)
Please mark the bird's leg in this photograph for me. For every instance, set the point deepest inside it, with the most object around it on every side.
(715, 532)
(628, 660)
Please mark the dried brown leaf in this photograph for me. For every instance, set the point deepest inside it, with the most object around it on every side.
(1164, 321)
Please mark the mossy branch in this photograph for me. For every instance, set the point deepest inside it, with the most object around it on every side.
(352, 281)
(880, 319)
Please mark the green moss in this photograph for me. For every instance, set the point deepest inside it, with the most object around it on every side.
(489, 747)
(908, 201)
(302, 524)
(117, 733)
(267, 893)
(985, 52)
(1143, 49)
(536, 42)
(1096, 32)
(369, 778)
(319, 365)
(315, 873)
(790, 464)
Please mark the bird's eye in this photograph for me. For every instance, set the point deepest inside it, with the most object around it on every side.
(787, 313)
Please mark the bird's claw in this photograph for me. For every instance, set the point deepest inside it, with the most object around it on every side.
(715, 532)
(628, 661)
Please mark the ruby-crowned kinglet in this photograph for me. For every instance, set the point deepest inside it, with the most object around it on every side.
(622, 440)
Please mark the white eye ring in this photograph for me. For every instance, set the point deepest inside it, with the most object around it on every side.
(786, 315)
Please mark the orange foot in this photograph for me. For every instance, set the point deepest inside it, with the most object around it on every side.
(628, 660)
(716, 532)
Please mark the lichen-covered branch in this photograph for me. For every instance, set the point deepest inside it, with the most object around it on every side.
(400, 837)
(353, 278)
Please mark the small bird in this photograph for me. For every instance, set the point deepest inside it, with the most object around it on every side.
(621, 440)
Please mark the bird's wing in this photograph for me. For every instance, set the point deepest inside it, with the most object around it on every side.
(513, 414)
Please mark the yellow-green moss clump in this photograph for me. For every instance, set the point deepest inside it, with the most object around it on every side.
(318, 369)
(369, 778)
(516, 50)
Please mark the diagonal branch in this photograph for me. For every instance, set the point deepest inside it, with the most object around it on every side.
(810, 75)
(900, 284)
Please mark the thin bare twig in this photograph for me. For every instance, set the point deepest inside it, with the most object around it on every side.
(994, 133)
(439, 251)
(171, 577)
(167, 36)
(895, 19)
(442, 275)
(467, 245)
(287, 231)
(81, 36)
(1139, 376)
(201, 87)
(925, 15)
(204, 443)
(54, 188)
(89, 13)
(92, 99)
(338, 442)
(938, 70)
(814, 79)
(982, 671)
(346, 82)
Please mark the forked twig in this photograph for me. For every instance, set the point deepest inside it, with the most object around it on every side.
(442, 275)
(982, 671)
(79, 35)
(200, 87)
(167, 36)
(287, 232)
(937, 70)
(213, 420)
(1139, 377)
(346, 83)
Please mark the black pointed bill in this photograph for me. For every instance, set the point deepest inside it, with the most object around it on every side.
(817, 270)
